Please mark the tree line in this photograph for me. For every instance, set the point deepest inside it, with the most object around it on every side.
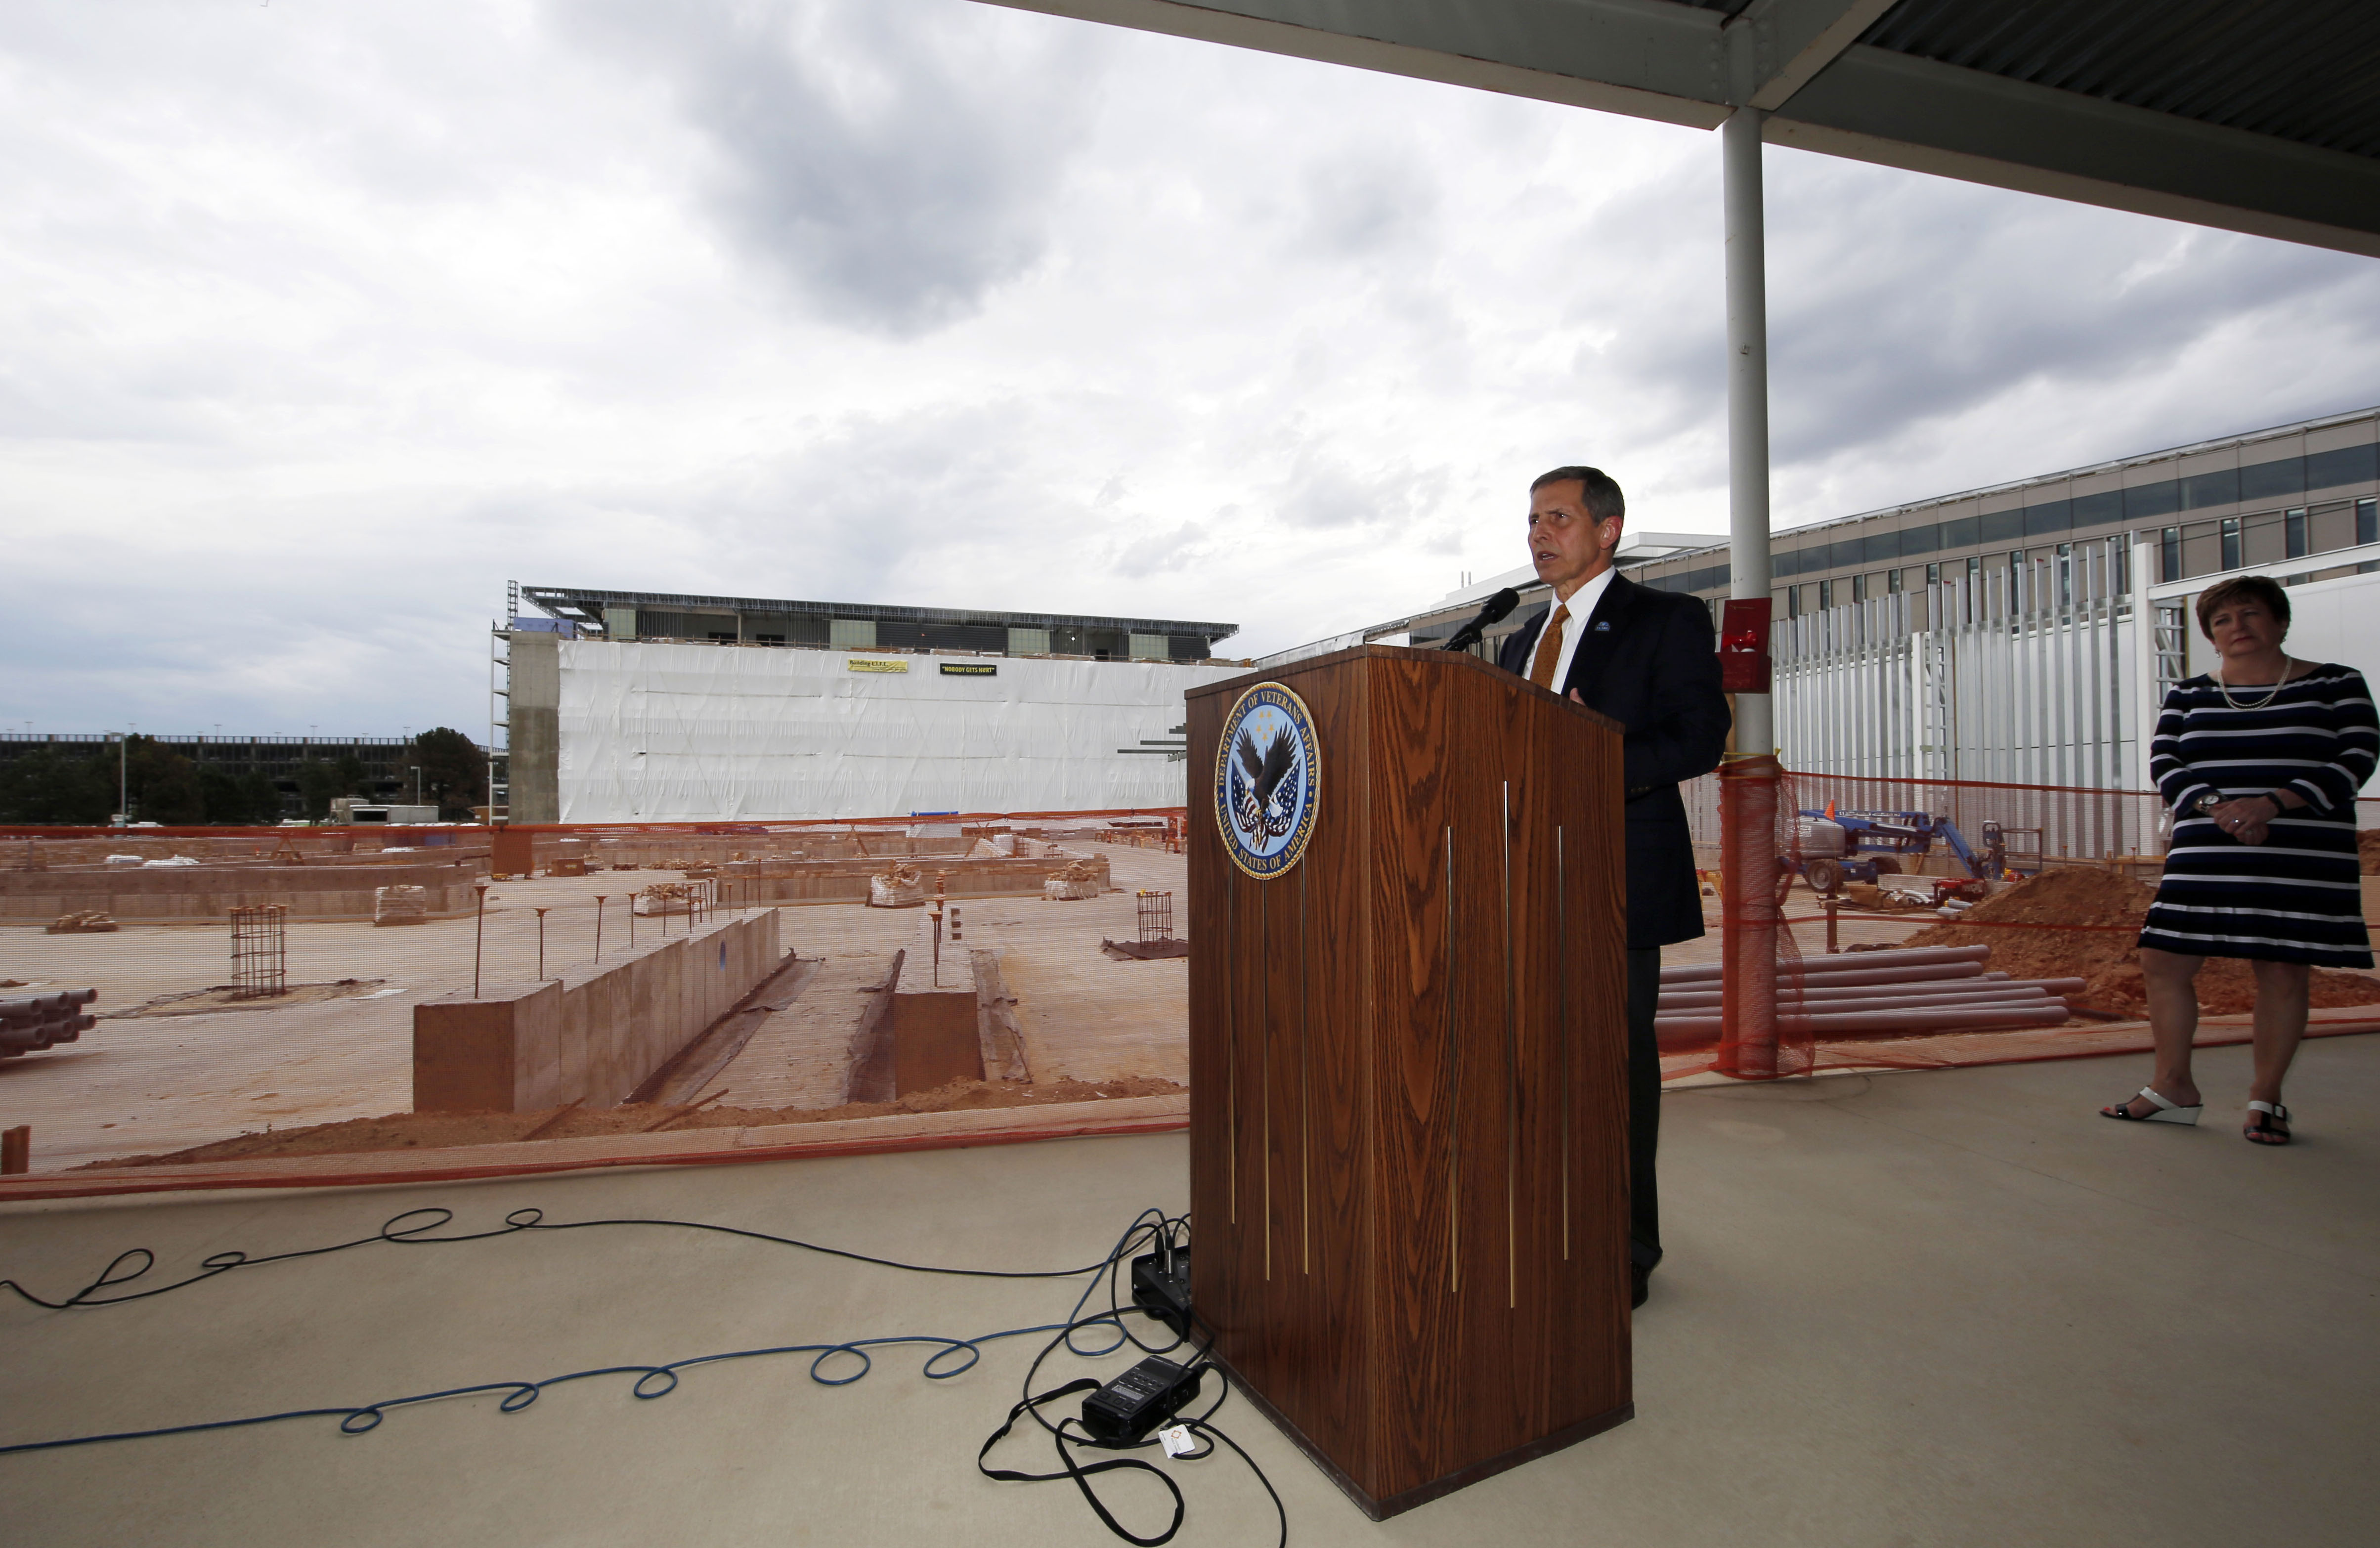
(70, 788)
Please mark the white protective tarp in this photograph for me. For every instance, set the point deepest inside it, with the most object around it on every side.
(703, 732)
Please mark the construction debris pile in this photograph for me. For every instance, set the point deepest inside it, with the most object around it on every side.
(400, 905)
(2108, 959)
(673, 896)
(1870, 994)
(1080, 879)
(902, 887)
(29, 1023)
(93, 922)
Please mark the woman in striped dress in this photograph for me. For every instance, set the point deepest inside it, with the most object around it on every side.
(2260, 761)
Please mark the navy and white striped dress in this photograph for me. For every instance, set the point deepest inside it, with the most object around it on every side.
(2298, 897)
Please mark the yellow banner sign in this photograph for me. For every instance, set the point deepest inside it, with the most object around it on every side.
(858, 664)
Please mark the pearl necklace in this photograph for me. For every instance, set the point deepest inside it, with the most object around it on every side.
(2224, 688)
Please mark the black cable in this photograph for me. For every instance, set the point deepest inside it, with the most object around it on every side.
(519, 1221)
(1201, 1427)
(412, 1228)
(519, 1395)
(1079, 1474)
(1074, 1471)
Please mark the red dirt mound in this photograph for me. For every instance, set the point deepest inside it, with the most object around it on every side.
(2079, 895)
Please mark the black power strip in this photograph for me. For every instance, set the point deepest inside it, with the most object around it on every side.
(1161, 1282)
(1127, 1408)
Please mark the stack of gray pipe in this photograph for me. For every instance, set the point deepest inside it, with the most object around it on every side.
(1871, 993)
(31, 1023)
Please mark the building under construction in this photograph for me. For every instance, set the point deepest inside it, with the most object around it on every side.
(640, 707)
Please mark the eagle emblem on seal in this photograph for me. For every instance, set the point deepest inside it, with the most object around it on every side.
(1264, 786)
(1268, 780)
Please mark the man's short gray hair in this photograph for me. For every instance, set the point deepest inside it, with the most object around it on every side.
(1603, 500)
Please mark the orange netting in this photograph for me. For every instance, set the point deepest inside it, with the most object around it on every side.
(2073, 871)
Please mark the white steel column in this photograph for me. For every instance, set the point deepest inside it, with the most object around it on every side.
(1747, 398)
(2147, 700)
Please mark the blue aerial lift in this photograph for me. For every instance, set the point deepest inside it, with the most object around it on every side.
(1834, 847)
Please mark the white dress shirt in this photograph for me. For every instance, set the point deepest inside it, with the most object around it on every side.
(1581, 605)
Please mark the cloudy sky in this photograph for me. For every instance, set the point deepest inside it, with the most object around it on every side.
(318, 323)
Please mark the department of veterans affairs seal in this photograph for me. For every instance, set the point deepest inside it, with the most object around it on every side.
(1268, 780)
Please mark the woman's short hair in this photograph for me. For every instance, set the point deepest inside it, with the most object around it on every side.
(2247, 588)
(1600, 494)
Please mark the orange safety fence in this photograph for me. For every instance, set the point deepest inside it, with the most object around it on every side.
(2042, 824)
(1744, 817)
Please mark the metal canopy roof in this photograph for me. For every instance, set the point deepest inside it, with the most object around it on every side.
(585, 604)
(2255, 115)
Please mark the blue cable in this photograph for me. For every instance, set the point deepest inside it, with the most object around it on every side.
(360, 1419)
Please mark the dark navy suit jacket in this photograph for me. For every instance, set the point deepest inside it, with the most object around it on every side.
(1648, 660)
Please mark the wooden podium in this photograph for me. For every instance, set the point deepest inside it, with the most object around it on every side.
(1408, 1173)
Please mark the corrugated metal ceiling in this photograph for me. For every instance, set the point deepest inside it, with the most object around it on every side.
(2302, 70)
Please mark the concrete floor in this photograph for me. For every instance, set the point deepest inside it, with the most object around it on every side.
(1951, 1307)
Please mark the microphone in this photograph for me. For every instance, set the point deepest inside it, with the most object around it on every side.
(1490, 611)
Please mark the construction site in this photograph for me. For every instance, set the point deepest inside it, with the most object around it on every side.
(332, 1003)
(656, 1022)
(778, 1113)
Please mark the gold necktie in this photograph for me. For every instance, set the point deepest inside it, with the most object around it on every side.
(1550, 644)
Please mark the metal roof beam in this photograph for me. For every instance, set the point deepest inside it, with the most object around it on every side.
(1874, 104)
(1646, 59)
(1778, 46)
(1684, 64)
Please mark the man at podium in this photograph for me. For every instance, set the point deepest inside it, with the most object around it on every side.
(1648, 660)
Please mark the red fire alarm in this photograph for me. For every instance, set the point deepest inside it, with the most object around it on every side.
(1743, 646)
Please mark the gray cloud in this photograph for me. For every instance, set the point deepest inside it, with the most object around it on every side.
(1323, 492)
(1359, 204)
(1162, 553)
(1984, 294)
(1907, 313)
(317, 323)
(893, 162)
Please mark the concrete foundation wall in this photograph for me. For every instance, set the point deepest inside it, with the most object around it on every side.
(845, 881)
(592, 1036)
(313, 846)
(536, 697)
(207, 894)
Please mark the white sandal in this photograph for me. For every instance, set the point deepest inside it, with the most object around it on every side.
(2268, 1124)
(2166, 1112)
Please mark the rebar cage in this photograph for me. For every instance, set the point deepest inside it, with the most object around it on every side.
(1156, 915)
(259, 957)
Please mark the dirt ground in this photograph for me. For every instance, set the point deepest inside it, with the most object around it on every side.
(429, 1131)
(224, 996)
(2108, 957)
